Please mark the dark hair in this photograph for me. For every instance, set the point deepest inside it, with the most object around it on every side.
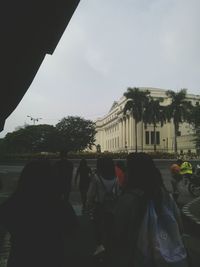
(143, 174)
(38, 182)
(83, 164)
(63, 153)
(105, 167)
(179, 161)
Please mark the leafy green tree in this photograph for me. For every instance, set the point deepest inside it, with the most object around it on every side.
(178, 111)
(32, 138)
(136, 103)
(154, 114)
(76, 133)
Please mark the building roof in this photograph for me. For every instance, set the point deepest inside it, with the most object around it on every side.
(155, 92)
(29, 29)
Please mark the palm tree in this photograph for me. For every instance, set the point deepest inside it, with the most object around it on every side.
(178, 111)
(154, 114)
(136, 102)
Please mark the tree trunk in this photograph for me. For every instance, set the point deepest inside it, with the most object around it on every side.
(175, 137)
(135, 136)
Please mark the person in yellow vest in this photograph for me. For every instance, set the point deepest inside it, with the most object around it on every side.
(186, 171)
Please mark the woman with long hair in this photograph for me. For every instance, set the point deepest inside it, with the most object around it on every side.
(37, 218)
(84, 172)
(144, 186)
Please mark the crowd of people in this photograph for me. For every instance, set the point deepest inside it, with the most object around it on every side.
(136, 221)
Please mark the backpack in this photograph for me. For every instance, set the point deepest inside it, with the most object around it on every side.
(159, 241)
(110, 198)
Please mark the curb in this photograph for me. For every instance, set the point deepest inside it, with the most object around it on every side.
(186, 211)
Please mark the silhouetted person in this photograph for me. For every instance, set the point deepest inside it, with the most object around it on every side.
(175, 170)
(37, 218)
(64, 169)
(84, 172)
(104, 181)
(144, 185)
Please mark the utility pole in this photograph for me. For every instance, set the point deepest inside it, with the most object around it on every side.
(34, 119)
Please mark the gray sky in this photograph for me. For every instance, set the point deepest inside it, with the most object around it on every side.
(110, 45)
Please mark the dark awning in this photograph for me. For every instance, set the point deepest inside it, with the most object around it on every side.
(29, 29)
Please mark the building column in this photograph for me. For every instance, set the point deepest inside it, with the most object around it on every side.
(127, 131)
(131, 132)
(124, 134)
(120, 133)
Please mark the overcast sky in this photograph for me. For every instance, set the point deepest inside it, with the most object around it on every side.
(110, 45)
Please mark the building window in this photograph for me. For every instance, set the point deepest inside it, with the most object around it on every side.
(152, 138)
(157, 138)
(147, 138)
(179, 133)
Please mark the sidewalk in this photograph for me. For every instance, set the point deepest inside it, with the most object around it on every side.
(191, 220)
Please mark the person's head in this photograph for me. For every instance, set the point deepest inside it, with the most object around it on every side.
(143, 174)
(83, 163)
(38, 182)
(179, 162)
(105, 167)
(63, 154)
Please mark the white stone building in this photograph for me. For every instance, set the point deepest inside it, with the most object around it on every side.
(116, 132)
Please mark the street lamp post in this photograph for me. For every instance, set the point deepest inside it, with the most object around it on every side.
(34, 119)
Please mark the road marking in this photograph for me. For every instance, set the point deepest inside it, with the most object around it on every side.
(187, 212)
